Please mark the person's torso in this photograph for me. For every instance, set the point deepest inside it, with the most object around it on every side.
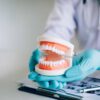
(88, 22)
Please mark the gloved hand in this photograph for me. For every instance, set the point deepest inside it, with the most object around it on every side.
(56, 82)
(84, 64)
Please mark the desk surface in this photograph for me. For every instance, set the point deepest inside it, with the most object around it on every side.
(8, 91)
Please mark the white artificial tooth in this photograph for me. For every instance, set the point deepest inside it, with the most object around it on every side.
(53, 49)
(40, 60)
(60, 62)
(47, 47)
(44, 62)
(57, 63)
(63, 61)
(47, 62)
(43, 47)
(54, 64)
(62, 53)
(56, 51)
(50, 63)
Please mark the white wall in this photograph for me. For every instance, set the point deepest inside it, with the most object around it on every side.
(21, 21)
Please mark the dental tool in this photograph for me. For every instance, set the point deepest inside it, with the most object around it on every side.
(89, 89)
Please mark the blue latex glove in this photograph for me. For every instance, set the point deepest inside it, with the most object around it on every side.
(84, 64)
(44, 81)
(34, 60)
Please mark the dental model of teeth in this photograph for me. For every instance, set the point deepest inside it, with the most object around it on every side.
(57, 56)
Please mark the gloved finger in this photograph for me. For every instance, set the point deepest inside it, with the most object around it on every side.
(34, 59)
(56, 85)
(73, 72)
(60, 85)
(64, 84)
(32, 75)
(75, 78)
(76, 59)
(37, 55)
(53, 84)
(81, 68)
(48, 78)
(44, 84)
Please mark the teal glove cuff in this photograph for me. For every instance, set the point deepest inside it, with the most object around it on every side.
(98, 68)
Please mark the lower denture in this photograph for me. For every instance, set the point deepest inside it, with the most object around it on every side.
(53, 57)
(57, 67)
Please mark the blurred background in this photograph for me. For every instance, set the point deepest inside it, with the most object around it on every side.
(21, 21)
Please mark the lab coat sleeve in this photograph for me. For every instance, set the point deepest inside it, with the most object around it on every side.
(61, 22)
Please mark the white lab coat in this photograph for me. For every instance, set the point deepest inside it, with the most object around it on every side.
(69, 16)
